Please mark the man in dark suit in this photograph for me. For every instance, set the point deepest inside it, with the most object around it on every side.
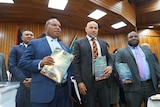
(90, 89)
(3, 72)
(19, 75)
(46, 92)
(145, 81)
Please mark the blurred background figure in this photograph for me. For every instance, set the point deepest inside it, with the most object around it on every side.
(114, 85)
(148, 46)
(19, 75)
(3, 72)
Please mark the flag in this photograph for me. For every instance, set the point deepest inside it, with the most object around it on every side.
(18, 37)
(72, 44)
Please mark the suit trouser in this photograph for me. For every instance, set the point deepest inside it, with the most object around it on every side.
(61, 99)
(99, 92)
(23, 97)
(135, 98)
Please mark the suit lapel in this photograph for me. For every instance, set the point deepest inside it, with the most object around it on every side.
(22, 46)
(63, 46)
(46, 46)
(145, 52)
(130, 52)
(132, 61)
(102, 47)
(87, 44)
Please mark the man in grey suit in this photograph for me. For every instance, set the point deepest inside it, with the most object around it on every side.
(3, 73)
(146, 81)
(90, 89)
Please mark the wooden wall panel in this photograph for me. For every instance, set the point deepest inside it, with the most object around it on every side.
(149, 6)
(122, 8)
(154, 44)
(68, 35)
(8, 32)
(115, 41)
(120, 40)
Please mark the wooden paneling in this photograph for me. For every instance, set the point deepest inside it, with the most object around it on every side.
(120, 40)
(149, 32)
(148, 13)
(122, 8)
(136, 13)
(154, 44)
(8, 32)
(74, 16)
(148, 6)
(115, 41)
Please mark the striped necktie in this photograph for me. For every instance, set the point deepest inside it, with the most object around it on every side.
(95, 49)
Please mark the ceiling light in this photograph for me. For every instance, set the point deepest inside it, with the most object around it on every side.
(97, 14)
(6, 1)
(57, 4)
(119, 25)
(150, 27)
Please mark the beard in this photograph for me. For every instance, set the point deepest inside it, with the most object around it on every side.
(133, 44)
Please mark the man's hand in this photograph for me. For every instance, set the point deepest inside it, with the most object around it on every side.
(127, 82)
(82, 88)
(159, 86)
(108, 71)
(27, 82)
(48, 60)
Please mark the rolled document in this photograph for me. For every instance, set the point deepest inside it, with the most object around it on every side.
(76, 89)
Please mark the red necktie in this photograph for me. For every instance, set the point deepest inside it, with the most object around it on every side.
(95, 49)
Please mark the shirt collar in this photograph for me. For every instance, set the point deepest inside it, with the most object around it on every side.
(133, 47)
(89, 38)
(50, 39)
(23, 44)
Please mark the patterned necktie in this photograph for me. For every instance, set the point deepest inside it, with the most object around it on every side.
(140, 63)
(95, 49)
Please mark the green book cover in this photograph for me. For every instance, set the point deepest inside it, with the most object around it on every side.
(62, 61)
(124, 71)
(100, 64)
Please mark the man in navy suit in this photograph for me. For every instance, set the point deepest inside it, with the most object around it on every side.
(90, 89)
(142, 86)
(3, 73)
(19, 75)
(44, 91)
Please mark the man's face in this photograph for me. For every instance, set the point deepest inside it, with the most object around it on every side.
(92, 29)
(27, 36)
(133, 39)
(53, 28)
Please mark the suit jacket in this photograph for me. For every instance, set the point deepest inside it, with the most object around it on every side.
(3, 73)
(155, 56)
(125, 55)
(83, 60)
(114, 76)
(42, 88)
(13, 59)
